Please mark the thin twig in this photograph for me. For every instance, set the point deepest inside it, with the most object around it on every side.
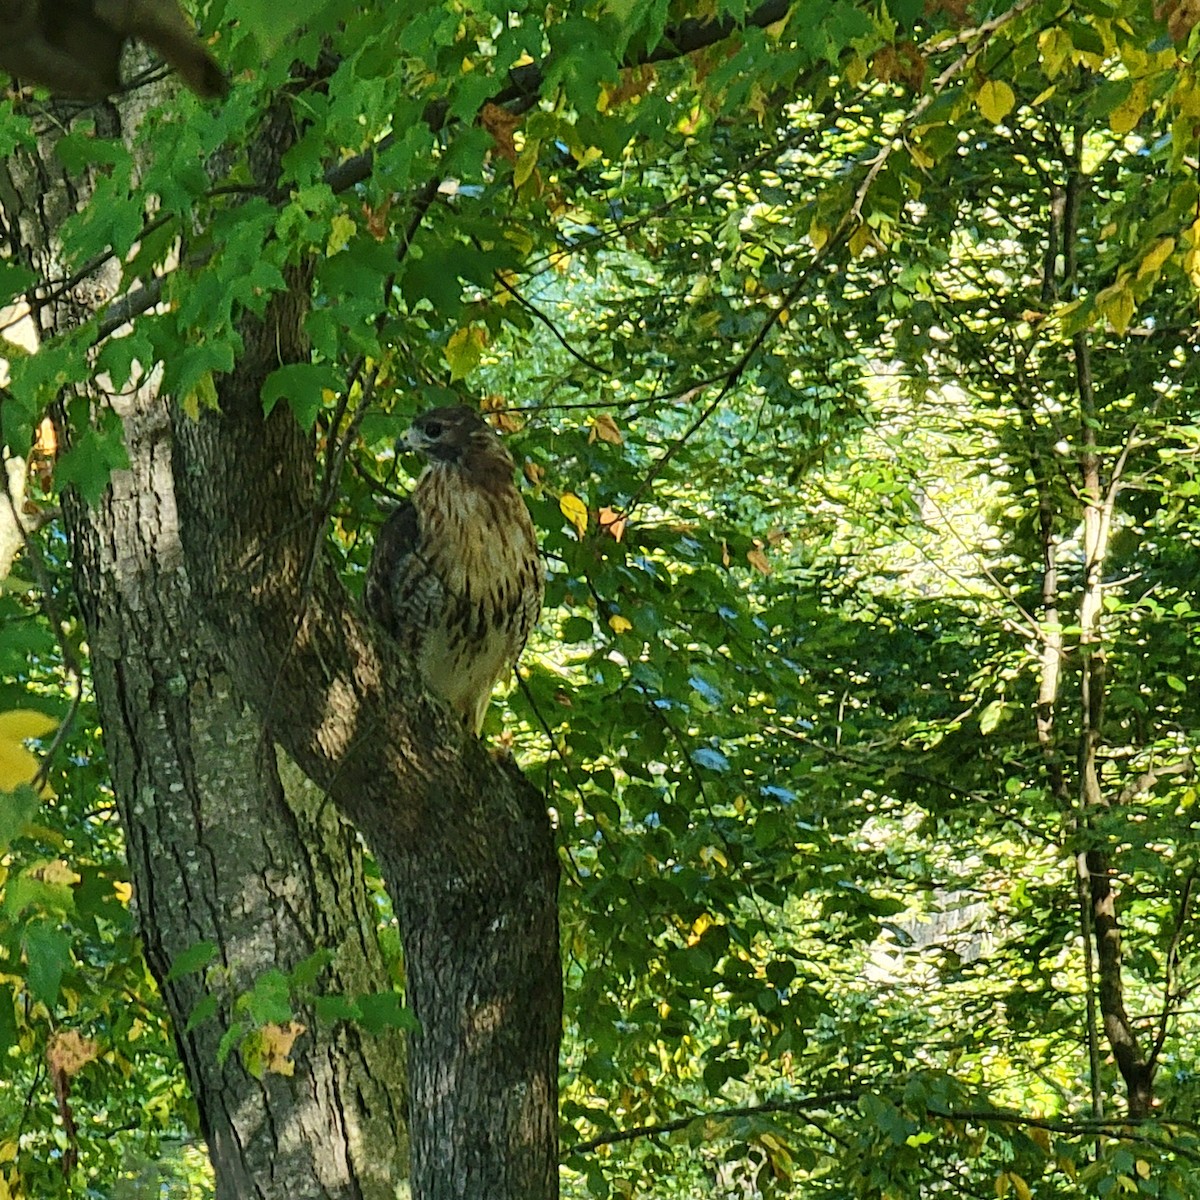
(559, 336)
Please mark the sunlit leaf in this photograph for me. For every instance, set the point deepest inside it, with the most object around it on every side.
(996, 100)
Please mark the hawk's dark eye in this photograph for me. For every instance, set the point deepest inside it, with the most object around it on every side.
(432, 430)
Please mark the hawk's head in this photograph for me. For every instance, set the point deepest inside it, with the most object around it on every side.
(459, 437)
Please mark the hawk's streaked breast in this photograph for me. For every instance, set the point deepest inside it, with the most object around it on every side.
(455, 575)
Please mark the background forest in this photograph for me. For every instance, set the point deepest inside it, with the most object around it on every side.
(848, 353)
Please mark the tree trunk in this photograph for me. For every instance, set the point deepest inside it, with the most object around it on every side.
(463, 841)
(217, 851)
(237, 601)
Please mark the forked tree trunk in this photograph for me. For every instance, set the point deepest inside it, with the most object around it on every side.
(463, 840)
(235, 601)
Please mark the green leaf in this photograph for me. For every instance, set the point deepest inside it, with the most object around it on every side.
(434, 277)
(272, 24)
(48, 950)
(14, 280)
(183, 370)
(229, 1039)
(8, 1018)
(578, 629)
(305, 973)
(194, 958)
(97, 450)
(336, 1008)
(17, 809)
(385, 1010)
(993, 716)
(118, 355)
(303, 386)
(203, 1010)
(269, 1000)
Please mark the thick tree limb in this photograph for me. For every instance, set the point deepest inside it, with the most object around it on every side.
(463, 841)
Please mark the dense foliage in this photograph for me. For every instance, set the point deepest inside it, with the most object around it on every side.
(847, 351)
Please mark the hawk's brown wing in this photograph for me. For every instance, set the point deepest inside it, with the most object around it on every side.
(401, 592)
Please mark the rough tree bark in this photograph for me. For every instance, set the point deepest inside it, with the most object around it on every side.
(237, 602)
(463, 840)
(218, 851)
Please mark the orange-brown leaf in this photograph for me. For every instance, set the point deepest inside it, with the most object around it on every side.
(377, 219)
(500, 123)
(605, 428)
(757, 558)
(612, 523)
(68, 1052)
(1180, 17)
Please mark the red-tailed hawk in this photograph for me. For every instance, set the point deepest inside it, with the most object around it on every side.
(455, 575)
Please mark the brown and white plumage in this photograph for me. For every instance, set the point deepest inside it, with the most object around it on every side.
(455, 575)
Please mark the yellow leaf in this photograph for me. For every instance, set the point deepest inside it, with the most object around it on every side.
(1187, 98)
(919, 157)
(1158, 254)
(20, 723)
(202, 396)
(17, 766)
(1020, 1187)
(1128, 113)
(575, 511)
(995, 99)
(1191, 259)
(619, 624)
(123, 891)
(1143, 1168)
(526, 163)
(341, 230)
(8, 1151)
(818, 234)
(1055, 46)
(56, 872)
(1119, 308)
(860, 239)
(464, 350)
(276, 1045)
(501, 295)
